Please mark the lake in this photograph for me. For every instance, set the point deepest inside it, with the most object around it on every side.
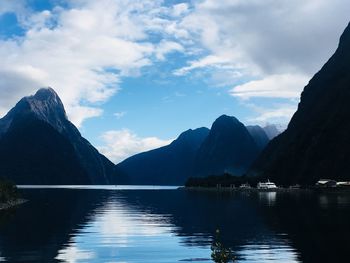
(156, 224)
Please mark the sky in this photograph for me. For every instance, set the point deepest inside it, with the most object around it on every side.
(134, 74)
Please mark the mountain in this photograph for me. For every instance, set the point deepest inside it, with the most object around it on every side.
(259, 135)
(316, 143)
(168, 165)
(39, 145)
(271, 131)
(229, 148)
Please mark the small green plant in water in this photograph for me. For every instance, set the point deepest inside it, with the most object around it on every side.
(8, 191)
(219, 253)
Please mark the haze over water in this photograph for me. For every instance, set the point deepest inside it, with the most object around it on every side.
(169, 225)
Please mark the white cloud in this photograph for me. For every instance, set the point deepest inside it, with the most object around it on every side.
(261, 39)
(166, 47)
(208, 61)
(273, 86)
(79, 113)
(10, 6)
(14, 85)
(286, 86)
(268, 36)
(180, 9)
(120, 114)
(121, 144)
(276, 113)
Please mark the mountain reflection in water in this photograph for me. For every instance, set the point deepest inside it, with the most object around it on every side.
(85, 225)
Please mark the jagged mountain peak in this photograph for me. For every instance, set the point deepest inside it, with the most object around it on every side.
(44, 105)
(226, 124)
(223, 119)
(46, 94)
(39, 145)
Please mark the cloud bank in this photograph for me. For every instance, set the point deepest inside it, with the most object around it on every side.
(82, 51)
(84, 48)
(120, 144)
(267, 37)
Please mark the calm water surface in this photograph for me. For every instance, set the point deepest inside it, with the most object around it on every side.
(155, 224)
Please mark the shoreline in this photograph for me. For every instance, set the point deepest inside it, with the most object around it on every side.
(230, 189)
(255, 190)
(12, 203)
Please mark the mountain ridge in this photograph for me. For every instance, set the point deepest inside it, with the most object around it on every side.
(178, 161)
(170, 164)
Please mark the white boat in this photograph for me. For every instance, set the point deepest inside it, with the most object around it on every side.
(266, 185)
(245, 186)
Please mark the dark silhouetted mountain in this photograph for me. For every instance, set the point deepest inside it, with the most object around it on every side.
(271, 131)
(316, 143)
(259, 136)
(229, 148)
(39, 145)
(168, 165)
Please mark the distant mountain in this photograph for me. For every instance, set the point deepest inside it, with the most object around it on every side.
(39, 145)
(259, 135)
(271, 131)
(229, 148)
(316, 143)
(168, 165)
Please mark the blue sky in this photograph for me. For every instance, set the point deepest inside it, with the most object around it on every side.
(134, 74)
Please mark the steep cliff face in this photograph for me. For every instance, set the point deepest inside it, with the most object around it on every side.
(169, 165)
(39, 145)
(229, 147)
(316, 143)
